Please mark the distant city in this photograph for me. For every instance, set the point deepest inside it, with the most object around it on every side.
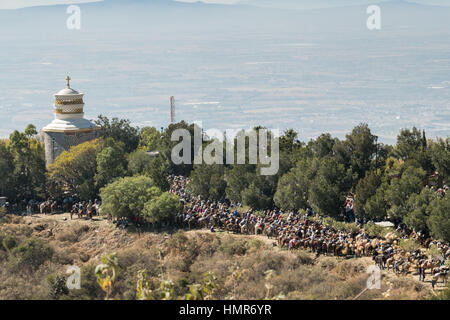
(232, 70)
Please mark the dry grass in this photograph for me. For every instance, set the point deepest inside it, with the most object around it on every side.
(72, 233)
(184, 257)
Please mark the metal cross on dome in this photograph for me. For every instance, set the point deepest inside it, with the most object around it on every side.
(68, 81)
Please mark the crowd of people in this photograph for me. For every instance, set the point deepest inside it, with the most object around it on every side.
(294, 230)
(71, 204)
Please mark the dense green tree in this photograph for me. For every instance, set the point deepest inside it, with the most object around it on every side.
(439, 221)
(29, 163)
(126, 197)
(342, 153)
(419, 207)
(398, 193)
(111, 162)
(322, 146)
(330, 186)
(138, 162)
(375, 207)
(288, 141)
(362, 145)
(413, 145)
(409, 142)
(149, 139)
(254, 197)
(208, 182)
(440, 156)
(159, 169)
(119, 130)
(365, 189)
(166, 145)
(238, 178)
(163, 208)
(7, 181)
(292, 190)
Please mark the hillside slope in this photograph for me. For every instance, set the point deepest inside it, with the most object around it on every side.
(182, 257)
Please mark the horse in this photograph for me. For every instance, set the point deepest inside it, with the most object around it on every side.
(53, 207)
(379, 261)
(269, 231)
(282, 240)
(390, 262)
(259, 228)
(45, 207)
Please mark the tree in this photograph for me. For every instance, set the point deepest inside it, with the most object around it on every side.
(29, 163)
(322, 146)
(119, 130)
(149, 138)
(362, 145)
(75, 169)
(330, 186)
(163, 208)
(7, 181)
(342, 153)
(111, 162)
(126, 197)
(409, 142)
(412, 145)
(208, 182)
(398, 193)
(440, 156)
(292, 190)
(30, 131)
(159, 170)
(288, 141)
(365, 189)
(238, 178)
(439, 221)
(138, 162)
(419, 208)
(255, 198)
(375, 207)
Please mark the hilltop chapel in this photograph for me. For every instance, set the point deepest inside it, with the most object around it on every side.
(69, 127)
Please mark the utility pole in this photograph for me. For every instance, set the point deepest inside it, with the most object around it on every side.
(172, 109)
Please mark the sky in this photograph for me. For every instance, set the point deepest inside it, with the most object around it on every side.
(318, 71)
(14, 4)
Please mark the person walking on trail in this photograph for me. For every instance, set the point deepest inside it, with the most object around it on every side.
(434, 279)
(419, 270)
(423, 268)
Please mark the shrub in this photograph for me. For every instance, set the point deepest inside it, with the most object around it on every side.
(163, 208)
(443, 295)
(126, 197)
(30, 254)
(231, 246)
(73, 233)
(254, 243)
(409, 244)
(57, 286)
(177, 242)
(9, 242)
(376, 231)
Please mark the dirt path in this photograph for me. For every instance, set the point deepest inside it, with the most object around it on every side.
(100, 222)
(387, 275)
(64, 218)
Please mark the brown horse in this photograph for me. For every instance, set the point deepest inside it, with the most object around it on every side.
(259, 228)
